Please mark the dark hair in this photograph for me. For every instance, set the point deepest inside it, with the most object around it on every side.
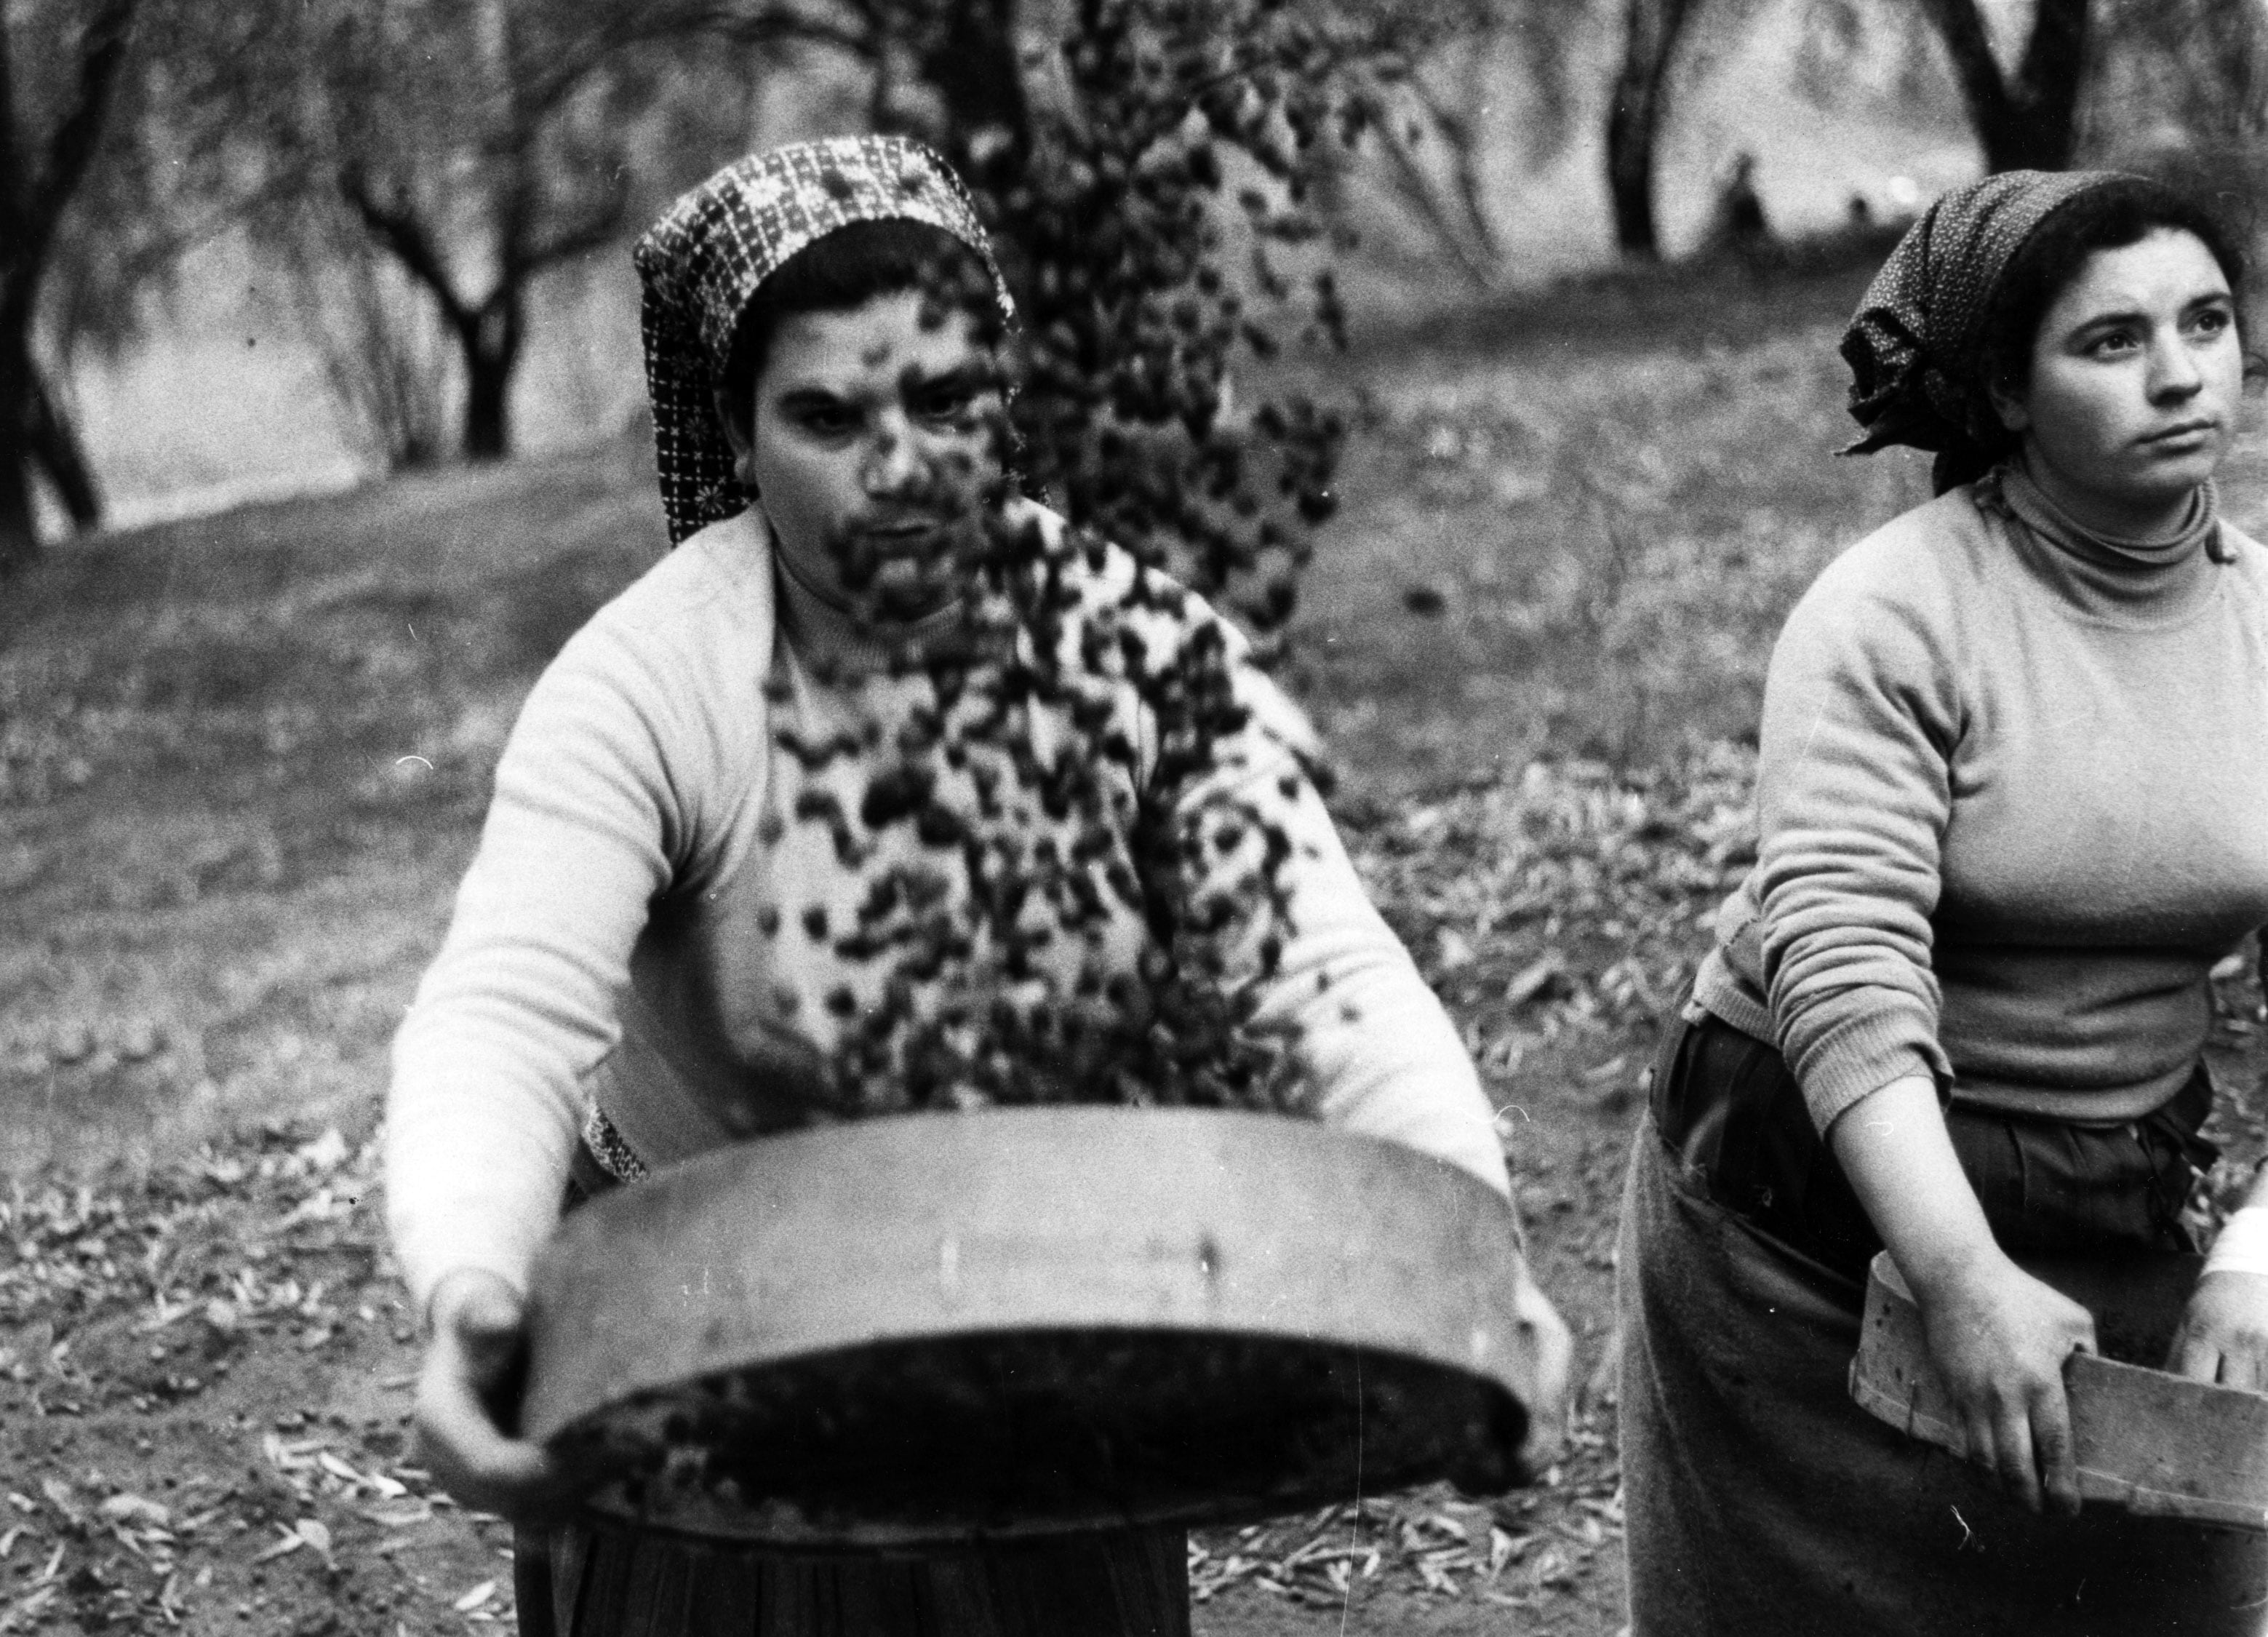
(2121, 212)
(845, 269)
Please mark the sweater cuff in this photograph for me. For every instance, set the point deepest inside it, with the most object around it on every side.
(1847, 1060)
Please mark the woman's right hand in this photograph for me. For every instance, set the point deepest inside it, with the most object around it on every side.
(1997, 1335)
(1999, 1340)
(465, 1393)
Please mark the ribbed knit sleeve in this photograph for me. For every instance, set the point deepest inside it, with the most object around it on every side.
(1861, 715)
(594, 810)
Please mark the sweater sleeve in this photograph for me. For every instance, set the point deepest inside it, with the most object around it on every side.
(1373, 1045)
(1861, 714)
(484, 1107)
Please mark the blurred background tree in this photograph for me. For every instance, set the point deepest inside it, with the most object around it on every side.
(1176, 183)
(60, 67)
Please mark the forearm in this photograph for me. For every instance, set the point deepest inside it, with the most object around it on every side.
(475, 1174)
(1893, 1146)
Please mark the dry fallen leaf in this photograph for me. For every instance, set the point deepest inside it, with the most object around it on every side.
(125, 1509)
(476, 1597)
(1532, 979)
(291, 1542)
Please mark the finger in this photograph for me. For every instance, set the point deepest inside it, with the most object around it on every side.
(2190, 1351)
(2196, 1357)
(1976, 1442)
(2012, 1447)
(2051, 1440)
(488, 1327)
(2240, 1361)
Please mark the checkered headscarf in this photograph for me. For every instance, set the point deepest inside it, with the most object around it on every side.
(1915, 347)
(703, 261)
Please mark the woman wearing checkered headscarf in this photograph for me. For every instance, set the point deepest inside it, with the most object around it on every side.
(2014, 761)
(699, 912)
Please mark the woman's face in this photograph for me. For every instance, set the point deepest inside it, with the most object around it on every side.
(2137, 374)
(870, 433)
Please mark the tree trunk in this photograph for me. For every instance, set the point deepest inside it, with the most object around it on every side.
(971, 58)
(1634, 121)
(2029, 121)
(54, 443)
(490, 337)
(19, 540)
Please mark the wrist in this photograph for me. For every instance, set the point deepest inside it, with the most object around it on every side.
(1946, 1268)
(461, 1287)
(2242, 1245)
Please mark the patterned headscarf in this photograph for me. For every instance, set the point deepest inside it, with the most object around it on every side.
(1915, 347)
(703, 260)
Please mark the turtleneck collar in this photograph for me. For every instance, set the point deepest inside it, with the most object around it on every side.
(2148, 581)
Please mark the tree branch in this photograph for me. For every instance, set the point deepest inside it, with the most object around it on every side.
(768, 25)
(72, 149)
(1415, 188)
(399, 230)
(12, 203)
(1455, 127)
(563, 243)
(1962, 28)
(2056, 55)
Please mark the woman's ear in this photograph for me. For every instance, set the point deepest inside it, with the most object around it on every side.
(740, 433)
(2008, 407)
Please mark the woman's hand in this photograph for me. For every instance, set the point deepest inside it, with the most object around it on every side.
(2224, 1333)
(1555, 1351)
(466, 1393)
(1999, 1340)
(1997, 1335)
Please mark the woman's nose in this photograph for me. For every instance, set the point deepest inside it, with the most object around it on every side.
(2174, 373)
(894, 459)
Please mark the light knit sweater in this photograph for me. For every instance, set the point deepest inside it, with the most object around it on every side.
(2013, 805)
(644, 929)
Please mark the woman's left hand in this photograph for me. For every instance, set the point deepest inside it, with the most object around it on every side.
(1554, 1351)
(2224, 1333)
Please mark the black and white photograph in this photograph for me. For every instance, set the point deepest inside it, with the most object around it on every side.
(1133, 818)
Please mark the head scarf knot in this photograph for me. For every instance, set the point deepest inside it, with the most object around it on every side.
(1915, 347)
(703, 260)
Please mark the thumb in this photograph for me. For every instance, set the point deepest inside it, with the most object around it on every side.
(484, 1317)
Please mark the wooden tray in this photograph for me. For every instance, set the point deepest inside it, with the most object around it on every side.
(930, 1330)
(2149, 1441)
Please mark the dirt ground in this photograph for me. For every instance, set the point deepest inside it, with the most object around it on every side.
(206, 1367)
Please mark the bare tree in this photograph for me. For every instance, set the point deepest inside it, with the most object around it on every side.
(382, 349)
(2026, 117)
(1441, 98)
(1635, 115)
(51, 128)
(479, 145)
(2207, 58)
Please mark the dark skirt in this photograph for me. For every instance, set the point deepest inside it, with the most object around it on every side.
(584, 1582)
(1760, 1501)
(592, 1584)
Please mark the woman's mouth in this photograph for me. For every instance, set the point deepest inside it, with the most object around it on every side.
(900, 536)
(2183, 436)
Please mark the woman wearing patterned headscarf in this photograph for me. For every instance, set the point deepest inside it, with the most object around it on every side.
(885, 790)
(2012, 772)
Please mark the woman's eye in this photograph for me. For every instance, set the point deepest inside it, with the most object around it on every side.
(2212, 321)
(828, 420)
(948, 403)
(2111, 344)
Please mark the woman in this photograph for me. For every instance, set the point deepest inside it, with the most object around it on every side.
(2012, 783)
(883, 792)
